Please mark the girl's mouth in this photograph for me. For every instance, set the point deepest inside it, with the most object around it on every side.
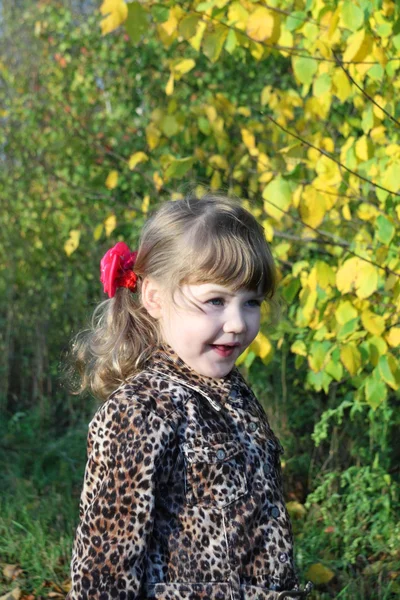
(223, 350)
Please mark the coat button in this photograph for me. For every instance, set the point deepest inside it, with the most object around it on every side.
(221, 454)
(275, 512)
(283, 557)
(233, 394)
(253, 426)
(267, 469)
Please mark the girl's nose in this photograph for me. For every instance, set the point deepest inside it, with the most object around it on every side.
(234, 322)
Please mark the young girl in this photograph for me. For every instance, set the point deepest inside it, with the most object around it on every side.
(182, 497)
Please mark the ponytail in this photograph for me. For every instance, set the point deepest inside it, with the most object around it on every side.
(118, 344)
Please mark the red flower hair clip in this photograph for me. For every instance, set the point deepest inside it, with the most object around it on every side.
(116, 269)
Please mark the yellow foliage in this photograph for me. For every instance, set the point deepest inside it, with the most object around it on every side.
(110, 224)
(261, 24)
(249, 141)
(351, 358)
(112, 180)
(358, 47)
(196, 40)
(393, 337)
(218, 162)
(72, 242)
(312, 207)
(158, 182)
(116, 12)
(359, 275)
(152, 136)
(137, 158)
(169, 88)
(319, 574)
(373, 323)
(237, 15)
(299, 347)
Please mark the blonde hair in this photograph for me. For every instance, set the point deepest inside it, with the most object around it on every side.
(212, 239)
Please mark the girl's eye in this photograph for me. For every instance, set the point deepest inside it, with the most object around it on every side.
(216, 301)
(254, 302)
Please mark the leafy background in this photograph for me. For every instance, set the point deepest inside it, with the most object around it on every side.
(291, 106)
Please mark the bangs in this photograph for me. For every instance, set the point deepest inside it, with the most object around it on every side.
(230, 251)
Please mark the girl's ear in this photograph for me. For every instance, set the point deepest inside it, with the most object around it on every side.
(151, 297)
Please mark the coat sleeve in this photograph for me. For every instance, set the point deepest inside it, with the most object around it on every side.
(127, 443)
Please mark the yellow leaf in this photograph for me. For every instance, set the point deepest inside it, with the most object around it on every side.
(346, 275)
(312, 207)
(319, 574)
(367, 280)
(158, 182)
(73, 242)
(342, 85)
(169, 88)
(98, 232)
(328, 171)
(364, 148)
(299, 347)
(110, 224)
(351, 358)
(326, 277)
(373, 323)
(359, 45)
(277, 196)
(263, 25)
(295, 509)
(116, 12)
(237, 15)
(137, 158)
(195, 41)
(262, 347)
(152, 136)
(345, 312)
(218, 162)
(112, 180)
(183, 66)
(249, 141)
(171, 24)
(145, 203)
(216, 181)
(269, 231)
(393, 337)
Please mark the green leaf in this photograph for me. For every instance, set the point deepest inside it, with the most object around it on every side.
(278, 196)
(352, 15)
(179, 167)
(213, 42)
(386, 372)
(376, 72)
(160, 13)
(188, 26)
(385, 231)
(375, 391)
(304, 69)
(290, 290)
(136, 24)
(169, 125)
(295, 20)
(322, 84)
(348, 328)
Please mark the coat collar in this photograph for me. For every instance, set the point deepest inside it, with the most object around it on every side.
(216, 390)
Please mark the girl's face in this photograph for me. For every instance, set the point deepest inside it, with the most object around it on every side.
(209, 326)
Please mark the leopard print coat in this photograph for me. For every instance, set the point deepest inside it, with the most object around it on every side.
(182, 496)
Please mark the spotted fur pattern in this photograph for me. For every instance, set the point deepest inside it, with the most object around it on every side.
(182, 496)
